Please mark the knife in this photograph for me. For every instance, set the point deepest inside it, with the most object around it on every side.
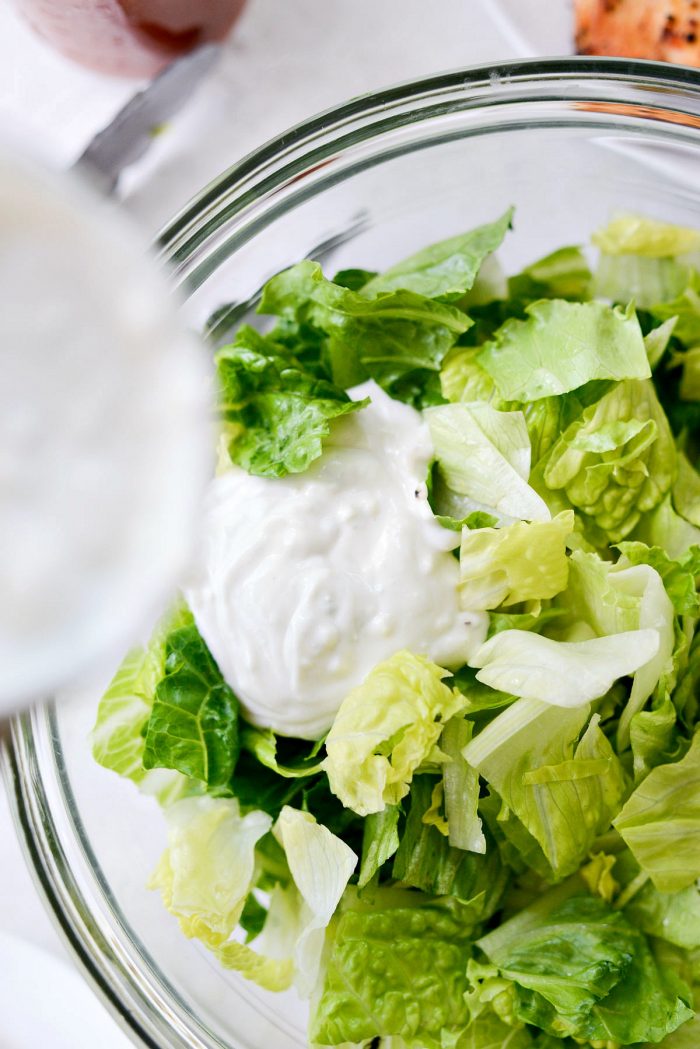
(129, 134)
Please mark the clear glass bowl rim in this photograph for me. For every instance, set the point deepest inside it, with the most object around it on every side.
(108, 950)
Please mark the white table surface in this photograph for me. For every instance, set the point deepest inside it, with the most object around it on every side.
(286, 60)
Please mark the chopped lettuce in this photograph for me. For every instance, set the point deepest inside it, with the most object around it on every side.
(193, 724)
(445, 270)
(522, 562)
(561, 673)
(560, 778)
(617, 460)
(320, 865)
(118, 735)
(461, 788)
(563, 274)
(483, 456)
(385, 728)
(563, 345)
(579, 968)
(380, 840)
(277, 412)
(395, 971)
(686, 491)
(391, 337)
(629, 234)
(660, 822)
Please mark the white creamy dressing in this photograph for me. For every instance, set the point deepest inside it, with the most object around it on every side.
(306, 582)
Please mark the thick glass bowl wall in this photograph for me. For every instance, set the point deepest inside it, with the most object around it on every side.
(568, 142)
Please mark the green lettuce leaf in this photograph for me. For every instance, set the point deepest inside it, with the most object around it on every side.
(654, 737)
(488, 1031)
(390, 338)
(629, 234)
(563, 274)
(193, 724)
(665, 528)
(672, 916)
(483, 456)
(123, 712)
(686, 491)
(561, 673)
(385, 728)
(397, 971)
(205, 875)
(522, 562)
(265, 745)
(426, 860)
(463, 379)
(678, 575)
(581, 969)
(645, 281)
(563, 786)
(613, 598)
(380, 840)
(563, 345)
(689, 389)
(685, 307)
(445, 270)
(461, 788)
(617, 460)
(321, 865)
(657, 341)
(660, 822)
(280, 411)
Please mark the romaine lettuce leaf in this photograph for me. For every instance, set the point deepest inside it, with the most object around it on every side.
(581, 969)
(522, 562)
(561, 673)
(445, 270)
(639, 279)
(563, 345)
(398, 971)
(463, 379)
(686, 491)
(685, 307)
(193, 724)
(380, 840)
(483, 455)
(280, 411)
(678, 575)
(123, 713)
(613, 598)
(689, 389)
(563, 274)
(205, 875)
(426, 860)
(385, 728)
(388, 338)
(665, 528)
(617, 460)
(660, 822)
(563, 786)
(654, 737)
(629, 234)
(672, 916)
(264, 744)
(461, 788)
(321, 865)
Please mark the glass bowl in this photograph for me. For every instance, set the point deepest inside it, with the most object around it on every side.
(566, 141)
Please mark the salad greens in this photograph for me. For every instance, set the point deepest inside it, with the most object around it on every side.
(508, 856)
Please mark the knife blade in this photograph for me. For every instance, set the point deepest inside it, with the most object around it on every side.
(129, 134)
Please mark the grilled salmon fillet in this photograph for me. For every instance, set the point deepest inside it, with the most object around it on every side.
(667, 30)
